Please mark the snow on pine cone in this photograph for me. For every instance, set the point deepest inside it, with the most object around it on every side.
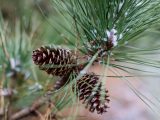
(89, 89)
(61, 60)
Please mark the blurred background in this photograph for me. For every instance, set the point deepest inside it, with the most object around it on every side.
(28, 24)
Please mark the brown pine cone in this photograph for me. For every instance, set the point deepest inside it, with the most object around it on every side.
(90, 91)
(59, 60)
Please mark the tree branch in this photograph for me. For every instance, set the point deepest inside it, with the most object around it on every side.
(29, 110)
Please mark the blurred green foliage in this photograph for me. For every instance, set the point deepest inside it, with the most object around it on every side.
(24, 26)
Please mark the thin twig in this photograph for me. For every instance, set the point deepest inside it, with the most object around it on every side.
(2, 102)
(3, 44)
(78, 34)
(29, 110)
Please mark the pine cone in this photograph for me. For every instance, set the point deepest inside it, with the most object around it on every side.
(48, 55)
(90, 91)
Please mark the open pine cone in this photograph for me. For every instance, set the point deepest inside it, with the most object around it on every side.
(90, 91)
(61, 60)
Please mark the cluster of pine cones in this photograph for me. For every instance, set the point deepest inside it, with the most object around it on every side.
(62, 62)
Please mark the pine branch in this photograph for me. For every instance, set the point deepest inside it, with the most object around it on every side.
(97, 18)
(107, 28)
